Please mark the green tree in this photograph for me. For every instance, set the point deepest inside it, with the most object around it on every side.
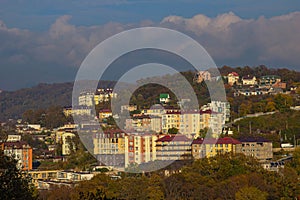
(13, 183)
(250, 193)
(173, 130)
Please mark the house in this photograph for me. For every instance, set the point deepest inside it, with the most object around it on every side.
(104, 113)
(21, 151)
(129, 108)
(13, 138)
(269, 80)
(259, 148)
(164, 98)
(42, 175)
(202, 76)
(210, 147)
(173, 147)
(249, 80)
(233, 78)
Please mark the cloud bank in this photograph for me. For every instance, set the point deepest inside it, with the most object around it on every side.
(28, 57)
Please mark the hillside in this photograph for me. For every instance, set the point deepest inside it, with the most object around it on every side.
(14, 104)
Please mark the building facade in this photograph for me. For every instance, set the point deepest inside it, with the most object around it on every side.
(210, 147)
(259, 148)
(21, 151)
(173, 147)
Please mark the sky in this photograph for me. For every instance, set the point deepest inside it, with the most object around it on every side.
(46, 41)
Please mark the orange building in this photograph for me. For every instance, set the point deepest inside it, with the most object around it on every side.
(21, 151)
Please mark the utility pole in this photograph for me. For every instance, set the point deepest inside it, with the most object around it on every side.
(250, 128)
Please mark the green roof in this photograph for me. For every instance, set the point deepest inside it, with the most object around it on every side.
(164, 96)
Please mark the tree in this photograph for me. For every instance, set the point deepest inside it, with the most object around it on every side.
(250, 193)
(173, 130)
(13, 183)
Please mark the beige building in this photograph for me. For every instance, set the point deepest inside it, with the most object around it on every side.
(109, 147)
(144, 123)
(42, 175)
(171, 119)
(259, 148)
(233, 78)
(249, 80)
(190, 123)
(202, 76)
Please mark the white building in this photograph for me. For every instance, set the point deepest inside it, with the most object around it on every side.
(67, 143)
(219, 107)
(86, 99)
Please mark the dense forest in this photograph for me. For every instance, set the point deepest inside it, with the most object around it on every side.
(221, 177)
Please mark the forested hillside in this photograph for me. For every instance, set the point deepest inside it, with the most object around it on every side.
(14, 104)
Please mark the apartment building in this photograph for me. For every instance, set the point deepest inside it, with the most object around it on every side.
(173, 147)
(259, 148)
(144, 123)
(210, 147)
(109, 147)
(67, 143)
(140, 148)
(21, 151)
(171, 119)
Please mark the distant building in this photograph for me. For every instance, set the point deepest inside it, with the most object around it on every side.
(129, 108)
(171, 119)
(109, 147)
(21, 151)
(173, 147)
(269, 80)
(190, 123)
(210, 147)
(44, 175)
(144, 123)
(164, 98)
(249, 80)
(259, 148)
(77, 111)
(202, 76)
(105, 113)
(233, 78)
(86, 99)
(67, 143)
(140, 148)
(13, 138)
(104, 95)
(219, 107)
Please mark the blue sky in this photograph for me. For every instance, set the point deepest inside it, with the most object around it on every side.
(45, 41)
(39, 15)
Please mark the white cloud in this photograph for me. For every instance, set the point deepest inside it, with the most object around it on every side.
(228, 38)
(259, 41)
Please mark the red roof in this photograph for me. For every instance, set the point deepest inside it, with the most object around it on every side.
(234, 74)
(173, 138)
(226, 140)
